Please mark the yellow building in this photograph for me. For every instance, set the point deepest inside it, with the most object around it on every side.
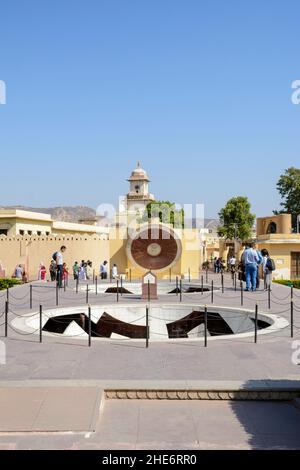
(137, 247)
(275, 234)
(15, 222)
(29, 238)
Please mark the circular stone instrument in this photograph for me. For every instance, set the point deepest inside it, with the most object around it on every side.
(154, 248)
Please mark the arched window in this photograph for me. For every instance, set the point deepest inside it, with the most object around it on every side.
(272, 228)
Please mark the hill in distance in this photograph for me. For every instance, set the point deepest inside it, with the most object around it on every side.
(64, 213)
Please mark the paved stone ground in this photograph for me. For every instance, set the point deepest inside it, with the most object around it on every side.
(176, 425)
(234, 359)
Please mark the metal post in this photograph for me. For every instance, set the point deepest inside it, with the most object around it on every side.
(292, 319)
(242, 293)
(149, 291)
(189, 274)
(30, 296)
(212, 292)
(7, 294)
(41, 324)
(206, 275)
(130, 275)
(202, 284)
(256, 323)
(96, 285)
(121, 286)
(87, 293)
(93, 276)
(77, 283)
(117, 290)
(269, 297)
(90, 326)
(235, 283)
(57, 295)
(205, 326)
(222, 281)
(147, 327)
(6, 319)
(180, 290)
(177, 288)
(170, 273)
(65, 284)
(292, 292)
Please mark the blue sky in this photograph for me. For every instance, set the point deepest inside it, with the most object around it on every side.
(200, 92)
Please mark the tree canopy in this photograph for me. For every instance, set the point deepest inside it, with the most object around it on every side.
(236, 219)
(289, 189)
(166, 212)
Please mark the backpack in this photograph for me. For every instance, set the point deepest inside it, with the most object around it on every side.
(54, 256)
(271, 264)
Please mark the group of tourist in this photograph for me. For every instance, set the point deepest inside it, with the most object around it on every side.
(252, 261)
(59, 271)
(220, 265)
(20, 273)
(104, 271)
(83, 271)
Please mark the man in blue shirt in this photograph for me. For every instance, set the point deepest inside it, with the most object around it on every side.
(251, 260)
(260, 262)
(103, 270)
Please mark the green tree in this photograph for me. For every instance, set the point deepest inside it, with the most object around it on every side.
(236, 219)
(289, 189)
(166, 212)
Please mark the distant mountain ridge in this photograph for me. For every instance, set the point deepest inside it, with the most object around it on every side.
(75, 213)
(64, 213)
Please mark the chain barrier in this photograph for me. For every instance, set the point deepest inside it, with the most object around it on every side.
(199, 295)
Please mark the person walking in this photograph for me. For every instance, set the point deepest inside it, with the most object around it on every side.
(215, 265)
(42, 272)
(65, 273)
(232, 264)
(260, 261)
(58, 258)
(267, 269)
(103, 270)
(19, 272)
(114, 272)
(89, 269)
(53, 270)
(250, 260)
(75, 270)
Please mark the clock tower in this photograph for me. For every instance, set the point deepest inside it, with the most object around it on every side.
(138, 197)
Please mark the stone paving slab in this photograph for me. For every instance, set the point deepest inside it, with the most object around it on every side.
(177, 425)
(44, 409)
(234, 385)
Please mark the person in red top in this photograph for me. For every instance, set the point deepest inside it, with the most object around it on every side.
(42, 272)
(65, 272)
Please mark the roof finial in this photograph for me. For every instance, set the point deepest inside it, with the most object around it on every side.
(139, 164)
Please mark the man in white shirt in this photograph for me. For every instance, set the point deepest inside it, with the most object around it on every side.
(232, 263)
(59, 264)
(114, 272)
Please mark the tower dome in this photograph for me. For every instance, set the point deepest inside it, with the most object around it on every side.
(139, 197)
(139, 174)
